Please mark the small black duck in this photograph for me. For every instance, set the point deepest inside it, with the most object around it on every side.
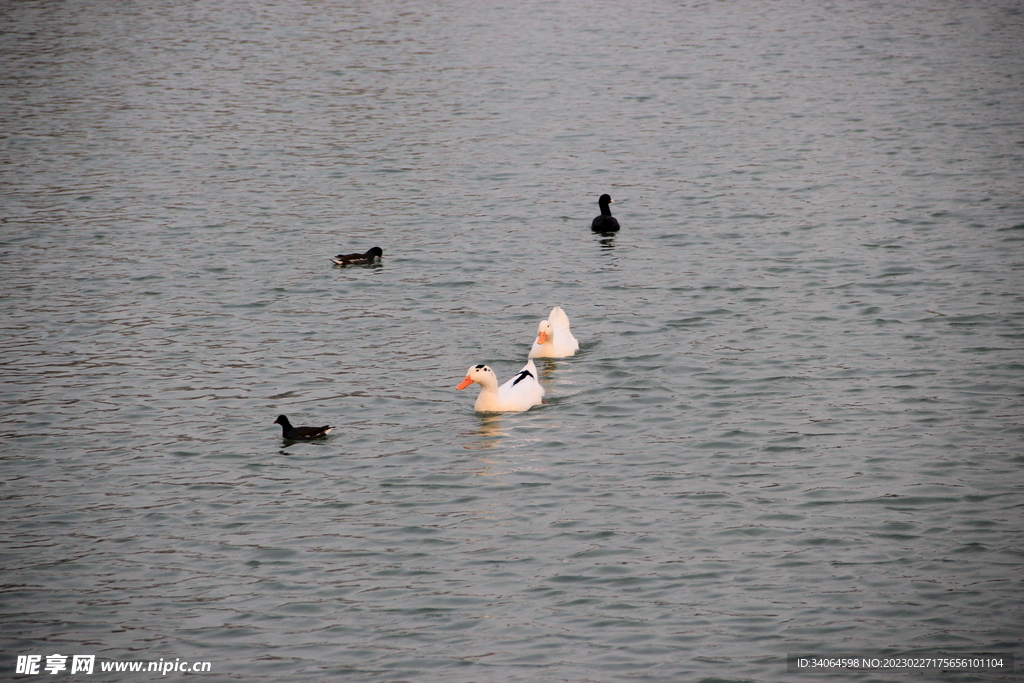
(300, 433)
(359, 259)
(605, 222)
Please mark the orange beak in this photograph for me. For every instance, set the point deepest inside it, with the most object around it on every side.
(542, 337)
(464, 383)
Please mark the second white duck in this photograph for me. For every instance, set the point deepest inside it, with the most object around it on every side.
(554, 340)
(519, 393)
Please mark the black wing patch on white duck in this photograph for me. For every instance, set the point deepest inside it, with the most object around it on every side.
(523, 374)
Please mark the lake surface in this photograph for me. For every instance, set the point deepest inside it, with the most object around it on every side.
(794, 424)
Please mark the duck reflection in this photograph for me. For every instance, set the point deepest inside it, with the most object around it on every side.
(607, 240)
(546, 369)
(488, 434)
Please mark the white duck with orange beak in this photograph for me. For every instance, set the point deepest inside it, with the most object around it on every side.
(554, 340)
(519, 393)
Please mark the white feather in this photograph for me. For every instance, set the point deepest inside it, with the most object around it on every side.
(558, 341)
(519, 393)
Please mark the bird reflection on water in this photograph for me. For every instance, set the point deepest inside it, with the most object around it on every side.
(489, 433)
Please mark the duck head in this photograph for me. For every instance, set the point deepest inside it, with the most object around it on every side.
(480, 374)
(543, 332)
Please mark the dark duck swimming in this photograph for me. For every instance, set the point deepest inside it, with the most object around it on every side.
(370, 256)
(300, 433)
(605, 222)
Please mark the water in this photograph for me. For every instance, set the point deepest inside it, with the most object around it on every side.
(794, 424)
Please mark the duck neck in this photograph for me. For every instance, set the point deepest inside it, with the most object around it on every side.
(488, 400)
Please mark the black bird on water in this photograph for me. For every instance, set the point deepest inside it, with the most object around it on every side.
(359, 259)
(605, 222)
(300, 433)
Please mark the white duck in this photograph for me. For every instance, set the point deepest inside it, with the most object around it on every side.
(519, 393)
(554, 340)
